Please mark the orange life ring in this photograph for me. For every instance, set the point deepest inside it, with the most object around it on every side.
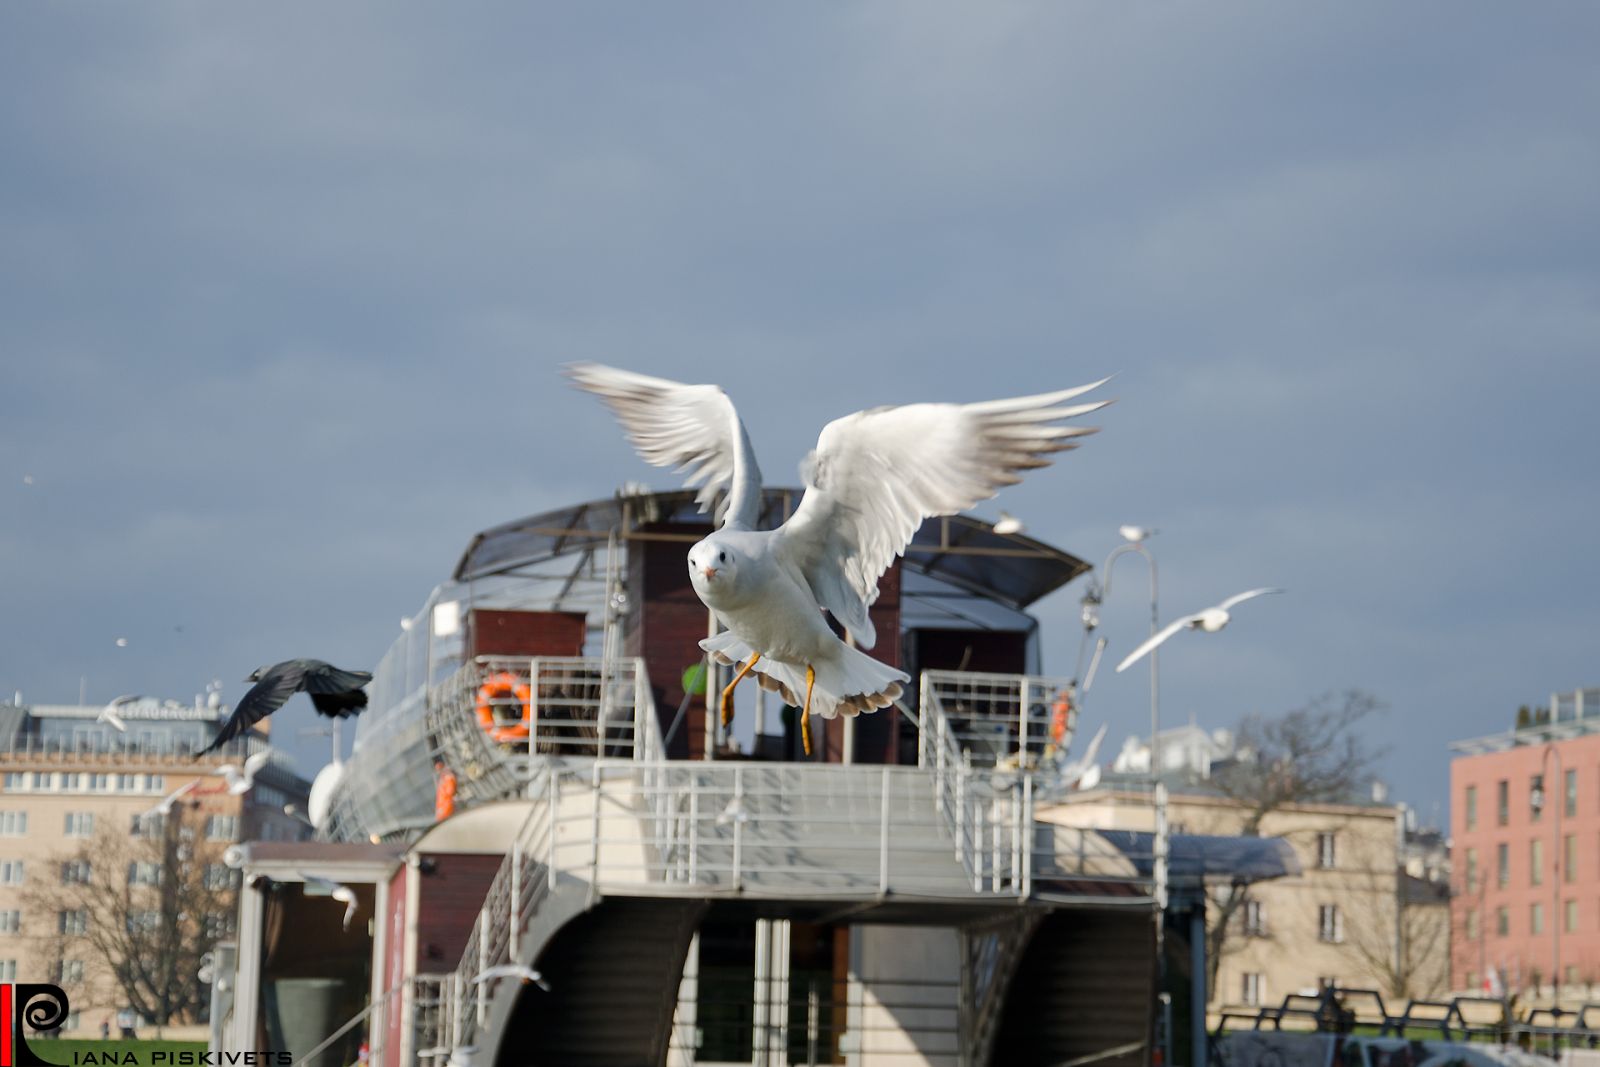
(444, 795)
(502, 686)
(1060, 716)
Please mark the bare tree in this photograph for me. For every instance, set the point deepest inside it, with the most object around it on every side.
(144, 908)
(1314, 754)
(1401, 936)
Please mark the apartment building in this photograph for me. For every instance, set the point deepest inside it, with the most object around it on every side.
(1525, 818)
(71, 785)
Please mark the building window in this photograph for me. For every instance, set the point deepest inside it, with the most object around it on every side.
(11, 872)
(10, 922)
(1255, 920)
(1570, 919)
(222, 827)
(1502, 859)
(1250, 993)
(79, 824)
(146, 825)
(8, 970)
(143, 922)
(1536, 862)
(13, 823)
(1330, 924)
(1327, 855)
(1472, 870)
(68, 972)
(75, 872)
(1569, 794)
(1502, 922)
(1472, 807)
(1536, 919)
(154, 783)
(219, 926)
(1472, 927)
(144, 873)
(100, 783)
(72, 923)
(1569, 858)
(218, 876)
(1502, 802)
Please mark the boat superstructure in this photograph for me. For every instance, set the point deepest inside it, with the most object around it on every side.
(543, 785)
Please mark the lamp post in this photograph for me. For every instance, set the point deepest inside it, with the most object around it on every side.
(1091, 601)
(1536, 799)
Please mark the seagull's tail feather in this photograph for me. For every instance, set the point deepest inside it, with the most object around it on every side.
(848, 682)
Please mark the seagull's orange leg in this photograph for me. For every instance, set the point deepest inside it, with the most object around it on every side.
(727, 694)
(805, 712)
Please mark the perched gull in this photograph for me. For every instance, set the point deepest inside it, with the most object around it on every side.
(1210, 620)
(872, 480)
(342, 893)
(1008, 524)
(239, 782)
(335, 693)
(1084, 772)
(1136, 534)
(735, 812)
(513, 970)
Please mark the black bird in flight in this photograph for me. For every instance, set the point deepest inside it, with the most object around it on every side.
(335, 693)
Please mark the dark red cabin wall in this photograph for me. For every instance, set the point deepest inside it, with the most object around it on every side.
(525, 633)
(448, 901)
(668, 622)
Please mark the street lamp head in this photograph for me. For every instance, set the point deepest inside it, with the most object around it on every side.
(1089, 609)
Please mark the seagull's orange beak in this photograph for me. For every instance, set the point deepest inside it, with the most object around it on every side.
(709, 572)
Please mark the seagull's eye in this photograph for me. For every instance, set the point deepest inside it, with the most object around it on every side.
(722, 557)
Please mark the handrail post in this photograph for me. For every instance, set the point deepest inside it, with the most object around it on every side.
(516, 900)
(1022, 725)
(483, 964)
(883, 837)
(533, 707)
(694, 828)
(1027, 837)
(738, 825)
(594, 832)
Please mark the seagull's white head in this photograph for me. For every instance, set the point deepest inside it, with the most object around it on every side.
(1212, 619)
(255, 675)
(713, 568)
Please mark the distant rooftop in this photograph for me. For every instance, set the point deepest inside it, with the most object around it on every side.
(1568, 715)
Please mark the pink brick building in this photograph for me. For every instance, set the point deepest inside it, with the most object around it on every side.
(1525, 822)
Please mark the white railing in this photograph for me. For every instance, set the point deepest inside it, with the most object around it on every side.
(998, 720)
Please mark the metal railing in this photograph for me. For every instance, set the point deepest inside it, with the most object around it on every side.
(998, 720)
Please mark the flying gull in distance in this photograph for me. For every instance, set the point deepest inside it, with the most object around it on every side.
(110, 713)
(1084, 772)
(872, 480)
(335, 693)
(1008, 524)
(342, 893)
(239, 782)
(1210, 620)
(513, 970)
(164, 808)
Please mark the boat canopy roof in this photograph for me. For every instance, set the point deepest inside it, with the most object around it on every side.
(959, 550)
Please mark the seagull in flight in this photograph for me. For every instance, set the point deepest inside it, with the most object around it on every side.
(164, 808)
(342, 893)
(1210, 620)
(513, 970)
(1084, 772)
(872, 480)
(239, 782)
(109, 713)
(334, 692)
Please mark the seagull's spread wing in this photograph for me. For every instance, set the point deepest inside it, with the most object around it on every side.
(1240, 598)
(876, 475)
(276, 686)
(334, 692)
(1093, 750)
(256, 762)
(692, 428)
(1151, 642)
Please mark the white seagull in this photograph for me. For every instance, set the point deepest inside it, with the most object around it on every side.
(109, 713)
(240, 782)
(164, 808)
(342, 893)
(513, 970)
(1210, 620)
(872, 480)
(1084, 772)
(1136, 533)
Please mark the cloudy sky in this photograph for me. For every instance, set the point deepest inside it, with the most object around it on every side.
(284, 288)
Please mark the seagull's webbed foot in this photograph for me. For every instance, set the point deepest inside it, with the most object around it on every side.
(727, 694)
(805, 712)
